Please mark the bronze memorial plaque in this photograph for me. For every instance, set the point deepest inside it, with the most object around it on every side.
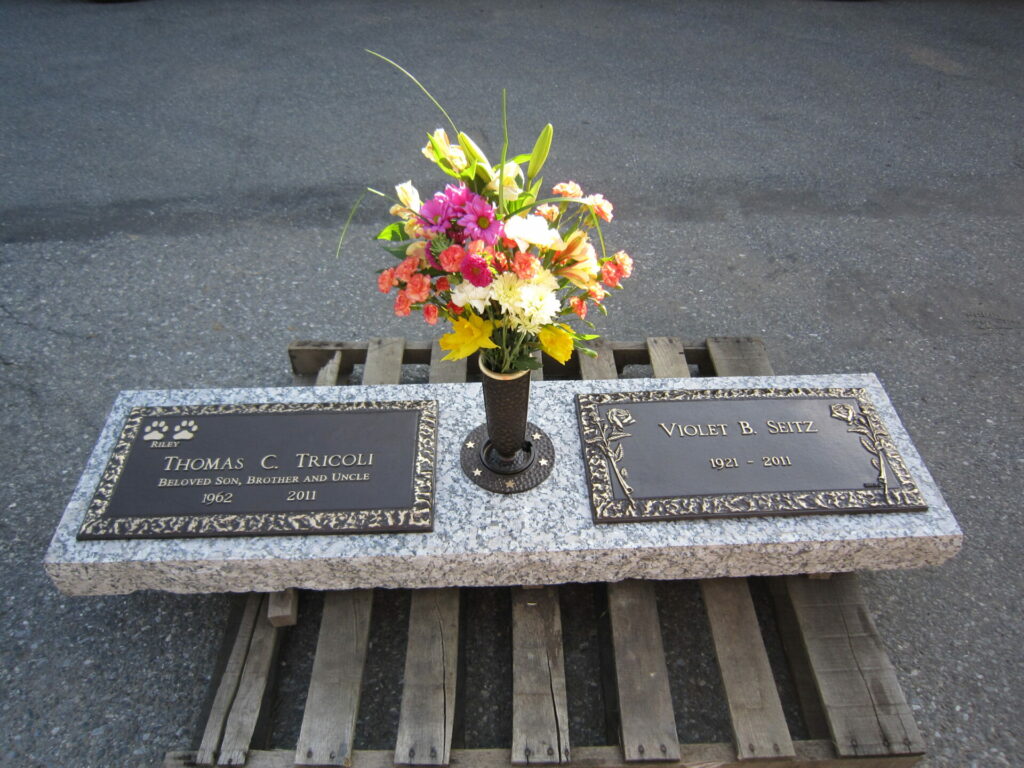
(727, 453)
(268, 469)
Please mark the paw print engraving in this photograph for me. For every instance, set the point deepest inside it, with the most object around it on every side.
(186, 430)
(155, 431)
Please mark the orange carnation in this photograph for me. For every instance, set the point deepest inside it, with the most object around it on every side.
(402, 304)
(525, 265)
(406, 269)
(579, 306)
(451, 258)
(547, 211)
(625, 262)
(386, 280)
(418, 287)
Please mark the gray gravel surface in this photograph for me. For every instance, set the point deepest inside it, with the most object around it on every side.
(844, 179)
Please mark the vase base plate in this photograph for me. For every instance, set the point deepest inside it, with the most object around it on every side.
(536, 472)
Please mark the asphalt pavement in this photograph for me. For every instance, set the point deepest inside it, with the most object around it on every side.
(843, 179)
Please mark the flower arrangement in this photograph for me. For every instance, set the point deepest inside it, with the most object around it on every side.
(504, 266)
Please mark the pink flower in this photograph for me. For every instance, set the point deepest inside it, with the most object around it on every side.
(402, 303)
(477, 220)
(451, 258)
(418, 288)
(436, 214)
(430, 313)
(568, 189)
(525, 265)
(386, 280)
(458, 196)
(475, 270)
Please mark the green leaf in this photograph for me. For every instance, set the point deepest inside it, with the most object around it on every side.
(526, 363)
(586, 351)
(398, 253)
(394, 232)
(348, 221)
(520, 159)
(422, 88)
(540, 151)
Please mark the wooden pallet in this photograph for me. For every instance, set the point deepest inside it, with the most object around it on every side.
(854, 709)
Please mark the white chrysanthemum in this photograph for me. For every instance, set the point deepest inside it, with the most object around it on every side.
(545, 280)
(476, 296)
(505, 291)
(538, 306)
(533, 230)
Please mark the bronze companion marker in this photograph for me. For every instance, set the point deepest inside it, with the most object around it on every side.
(680, 454)
(268, 469)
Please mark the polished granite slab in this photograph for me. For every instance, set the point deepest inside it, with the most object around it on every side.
(542, 536)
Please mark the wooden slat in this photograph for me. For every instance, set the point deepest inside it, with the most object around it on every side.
(863, 702)
(799, 665)
(739, 356)
(645, 701)
(646, 718)
(384, 361)
(445, 371)
(329, 720)
(328, 375)
(283, 608)
(252, 689)
(602, 366)
(540, 719)
(758, 723)
(308, 357)
(428, 693)
(668, 357)
(810, 754)
(228, 686)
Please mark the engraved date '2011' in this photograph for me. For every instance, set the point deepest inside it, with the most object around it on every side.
(731, 462)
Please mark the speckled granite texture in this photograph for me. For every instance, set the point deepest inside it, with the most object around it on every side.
(543, 536)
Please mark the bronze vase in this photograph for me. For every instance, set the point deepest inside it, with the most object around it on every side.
(506, 403)
(507, 453)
